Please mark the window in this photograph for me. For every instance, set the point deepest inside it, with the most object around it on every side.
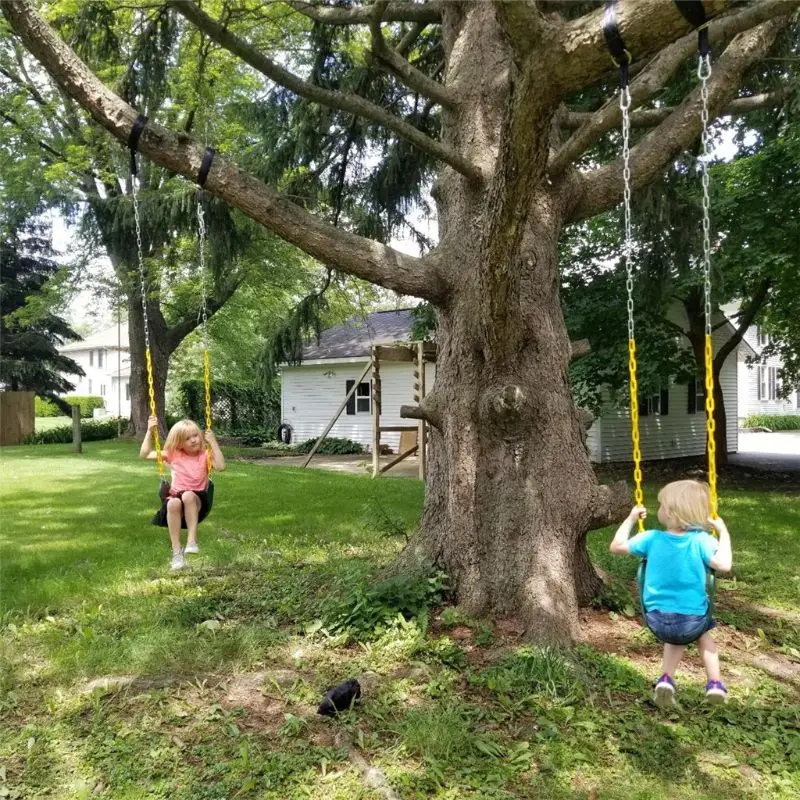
(102, 390)
(774, 383)
(91, 359)
(798, 399)
(762, 337)
(361, 401)
(656, 403)
(99, 358)
(90, 385)
(762, 383)
(697, 396)
(127, 391)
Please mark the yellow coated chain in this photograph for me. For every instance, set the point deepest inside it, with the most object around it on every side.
(704, 73)
(201, 225)
(147, 355)
(625, 105)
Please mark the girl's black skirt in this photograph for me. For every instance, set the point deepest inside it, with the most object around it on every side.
(206, 499)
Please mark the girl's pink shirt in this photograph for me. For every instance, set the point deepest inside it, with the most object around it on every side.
(189, 472)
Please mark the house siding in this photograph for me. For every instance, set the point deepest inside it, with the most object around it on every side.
(677, 435)
(105, 376)
(310, 395)
(749, 402)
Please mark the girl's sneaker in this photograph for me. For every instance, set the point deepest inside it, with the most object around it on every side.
(716, 692)
(665, 692)
(178, 561)
(191, 548)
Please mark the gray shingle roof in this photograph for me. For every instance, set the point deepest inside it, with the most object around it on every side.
(354, 338)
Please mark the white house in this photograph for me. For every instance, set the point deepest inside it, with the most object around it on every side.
(672, 421)
(105, 358)
(760, 383)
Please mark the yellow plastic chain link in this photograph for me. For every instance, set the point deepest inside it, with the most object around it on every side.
(638, 493)
(152, 393)
(207, 383)
(711, 427)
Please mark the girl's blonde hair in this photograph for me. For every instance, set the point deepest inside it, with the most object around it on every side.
(686, 505)
(179, 434)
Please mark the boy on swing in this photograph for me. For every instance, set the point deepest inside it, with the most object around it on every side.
(674, 592)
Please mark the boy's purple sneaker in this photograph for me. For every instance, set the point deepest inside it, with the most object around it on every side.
(716, 692)
(665, 692)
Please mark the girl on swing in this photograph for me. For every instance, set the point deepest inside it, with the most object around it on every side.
(186, 504)
(674, 592)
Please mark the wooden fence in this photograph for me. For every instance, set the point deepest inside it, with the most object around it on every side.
(16, 416)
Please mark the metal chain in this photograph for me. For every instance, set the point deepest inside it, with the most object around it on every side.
(147, 353)
(703, 74)
(201, 224)
(625, 107)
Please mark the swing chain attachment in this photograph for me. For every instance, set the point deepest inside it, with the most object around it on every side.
(625, 107)
(133, 139)
(703, 74)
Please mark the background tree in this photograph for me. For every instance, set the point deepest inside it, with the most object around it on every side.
(482, 100)
(30, 332)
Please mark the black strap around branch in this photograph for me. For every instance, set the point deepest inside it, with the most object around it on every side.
(205, 167)
(133, 139)
(694, 13)
(616, 46)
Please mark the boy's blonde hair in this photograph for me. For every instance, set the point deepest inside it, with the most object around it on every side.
(686, 505)
(179, 433)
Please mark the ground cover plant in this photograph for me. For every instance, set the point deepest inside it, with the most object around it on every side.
(119, 679)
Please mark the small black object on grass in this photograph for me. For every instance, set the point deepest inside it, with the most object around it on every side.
(340, 698)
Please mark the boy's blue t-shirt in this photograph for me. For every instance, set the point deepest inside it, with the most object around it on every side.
(675, 579)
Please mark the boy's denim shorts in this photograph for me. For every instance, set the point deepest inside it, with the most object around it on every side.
(678, 628)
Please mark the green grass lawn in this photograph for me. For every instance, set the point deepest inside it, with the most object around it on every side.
(46, 423)
(119, 679)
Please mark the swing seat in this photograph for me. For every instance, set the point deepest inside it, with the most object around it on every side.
(164, 487)
(711, 585)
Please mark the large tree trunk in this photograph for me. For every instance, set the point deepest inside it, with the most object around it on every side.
(511, 492)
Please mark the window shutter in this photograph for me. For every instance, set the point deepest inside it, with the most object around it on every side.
(664, 402)
(351, 403)
(692, 405)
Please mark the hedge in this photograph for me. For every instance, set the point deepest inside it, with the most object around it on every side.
(46, 408)
(331, 447)
(90, 432)
(235, 410)
(775, 422)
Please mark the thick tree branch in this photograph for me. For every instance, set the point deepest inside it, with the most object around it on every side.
(744, 321)
(343, 101)
(655, 75)
(521, 22)
(650, 117)
(188, 321)
(580, 53)
(579, 348)
(360, 15)
(353, 254)
(602, 189)
(413, 78)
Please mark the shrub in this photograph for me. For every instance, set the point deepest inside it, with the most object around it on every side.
(775, 422)
(367, 607)
(331, 447)
(46, 408)
(90, 432)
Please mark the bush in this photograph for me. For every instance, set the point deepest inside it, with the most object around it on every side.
(775, 422)
(90, 432)
(235, 410)
(367, 607)
(46, 408)
(331, 447)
